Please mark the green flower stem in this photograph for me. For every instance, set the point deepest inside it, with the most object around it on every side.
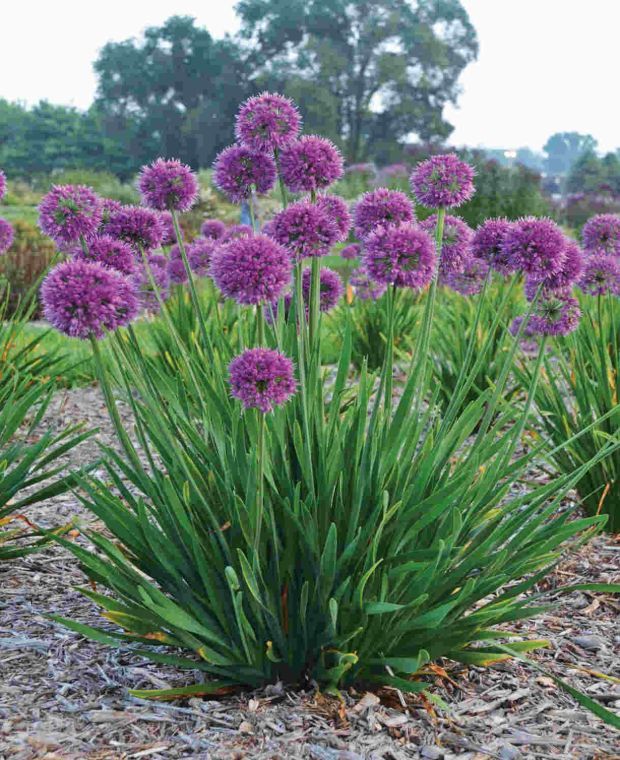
(260, 488)
(251, 208)
(283, 194)
(190, 277)
(260, 325)
(389, 352)
(84, 245)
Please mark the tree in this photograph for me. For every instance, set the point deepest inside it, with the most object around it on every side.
(382, 69)
(591, 174)
(564, 148)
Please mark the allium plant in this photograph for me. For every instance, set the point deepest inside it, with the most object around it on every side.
(141, 228)
(2, 184)
(456, 241)
(70, 213)
(338, 211)
(311, 163)
(267, 122)
(443, 182)
(168, 185)
(213, 229)
(305, 229)
(109, 252)
(601, 275)
(535, 246)
(381, 207)
(6, 235)
(601, 235)
(487, 244)
(239, 171)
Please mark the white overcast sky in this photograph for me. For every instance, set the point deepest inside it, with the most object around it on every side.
(544, 65)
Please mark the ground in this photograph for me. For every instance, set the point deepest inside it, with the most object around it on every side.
(62, 696)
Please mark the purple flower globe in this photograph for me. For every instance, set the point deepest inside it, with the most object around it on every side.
(569, 274)
(2, 184)
(156, 275)
(238, 169)
(601, 234)
(338, 211)
(456, 243)
(262, 379)
(251, 270)
(305, 230)
(176, 268)
(267, 122)
(108, 206)
(532, 288)
(109, 252)
(84, 299)
(140, 227)
(470, 281)
(381, 207)
(330, 290)
(365, 287)
(486, 244)
(555, 315)
(70, 212)
(443, 181)
(168, 233)
(237, 231)
(214, 229)
(601, 275)
(403, 256)
(7, 235)
(310, 163)
(351, 252)
(199, 253)
(168, 185)
(537, 246)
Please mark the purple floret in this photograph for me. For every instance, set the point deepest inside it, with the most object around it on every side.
(305, 229)
(238, 170)
(338, 211)
(486, 244)
(168, 185)
(176, 268)
(70, 212)
(601, 235)
(267, 122)
(310, 163)
(403, 256)
(351, 252)
(331, 288)
(601, 275)
(2, 184)
(381, 207)
(109, 252)
(536, 246)
(140, 227)
(555, 315)
(470, 281)
(214, 229)
(237, 231)
(365, 287)
(262, 378)
(158, 268)
(443, 181)
(456, 243)
(7, 235)
(199, 254)
(169, 236)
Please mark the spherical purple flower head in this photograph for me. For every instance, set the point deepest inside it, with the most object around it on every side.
(6, 236)
(338, 211)
(2, 184)
(109, 252)
(69, 212)
(537, 246)
(470, 280)
(601, 275)
(140, 227)
(251, 270)
(268, 228)
(331, 288)
(443, 181)
(351, 251)
(366, 288)
(169, 236)
(168, 185)
(176, 268)
(555, 315)
(267, 122)
(562, 281)
(403, 256)
(214, 229)
(158, 267)
(305, 229)
(456, 242)
(262, 378)
(81, 299)
(238, 169)
(108, 206)
(310, 163)
(531, 288)
(381, 207)
(486, 244)
(601, 234)
(199, 253)
(237, 231)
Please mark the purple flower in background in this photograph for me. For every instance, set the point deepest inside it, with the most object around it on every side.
(365, 287)
(515, 326)
(168, 185)
(267, 122)
(238, 169)
(555, 315)
(310, 163)
(351, 251)
(601, 275)
(7, 235)
(82, 299)
(108, 206)
(140, 227)
(2, 184)
(305, 230)
(456, 242)
(531, 288)
(487, 242)
(470, 280)
(199, 253)
(251, 270)
(176, 268)
(403, 256)
(338, 211)
(214, 229)
(331, 288)
(601, 234)
(381, 207)
(169, 236)
(237, 231)
(109, 252)
(537, 246)
(571, 270)
(69, 212)
(443, 181)
(157, 276)
(262, 379)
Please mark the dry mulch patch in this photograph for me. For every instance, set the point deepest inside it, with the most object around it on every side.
(62, 696)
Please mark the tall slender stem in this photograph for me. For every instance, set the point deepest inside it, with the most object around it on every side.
(260, 487)
(283, 195)
(251, 210)
(190, 278)
(260, 325)
(389, 348)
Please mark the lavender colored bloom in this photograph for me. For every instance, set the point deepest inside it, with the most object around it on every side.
(555, 315)
(214, 229)
(251, 270)
(338, 211)
(532, 288)
(168, 185)
(515, 326)
(562, 281)
(7, 235)
(310, 163)
(156, 275)
(305, 230)
(69, 212)
(109, 252)
(262, 378)
(381, 207)
(140, 227)
(176, 268)
(351, 251)
(169, 235)
(199, 253)
(108, 206)
(471, 279)
(456, 241)
(487, 243)
(331, 288)
(82, 299)
(365, 287)
(403, 256)
(601, 234)
(238, 169)
(601, 275)
(267, 122)
(268, 228)
(443, 181)
(237, 231)
(2, 184)
(537, 246)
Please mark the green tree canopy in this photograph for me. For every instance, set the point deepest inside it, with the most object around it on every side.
(564, 148)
